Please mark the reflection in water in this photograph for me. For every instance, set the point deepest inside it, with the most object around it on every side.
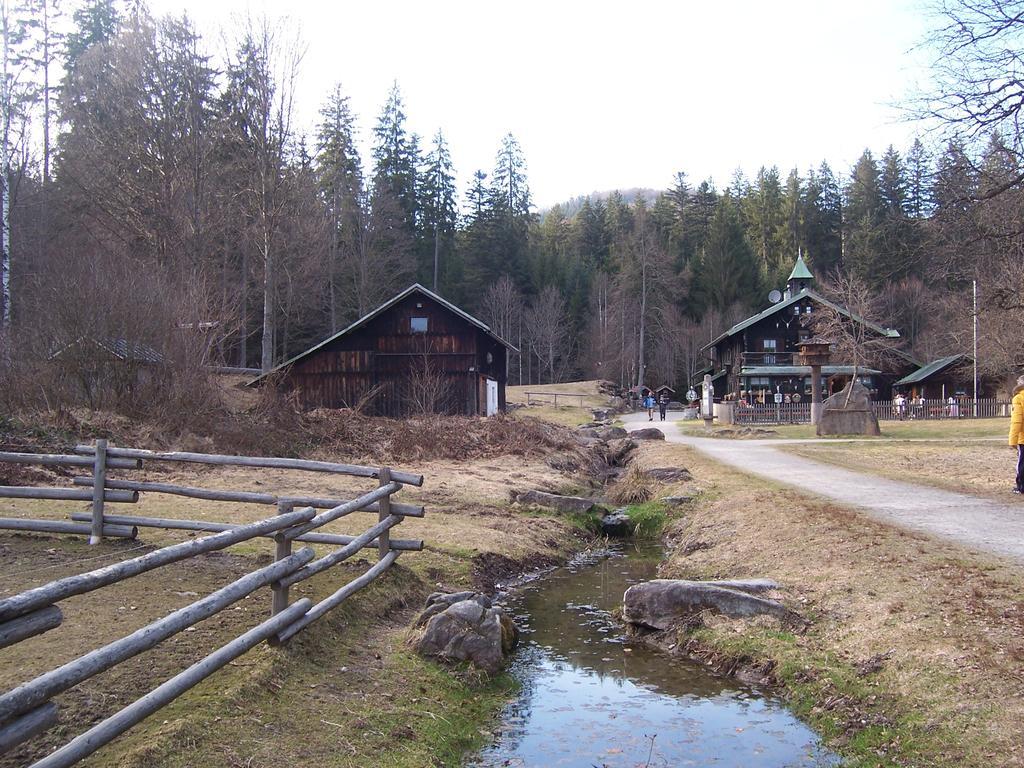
(589, 698)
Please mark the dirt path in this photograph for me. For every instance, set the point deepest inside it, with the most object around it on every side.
(983, 524)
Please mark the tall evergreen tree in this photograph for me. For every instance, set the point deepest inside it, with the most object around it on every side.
(339, 177)
(439, 217)
(864, 253)
(727, 273)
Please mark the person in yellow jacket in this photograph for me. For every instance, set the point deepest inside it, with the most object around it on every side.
(1017, 431)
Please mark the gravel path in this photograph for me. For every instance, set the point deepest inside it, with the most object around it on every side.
(982, 524)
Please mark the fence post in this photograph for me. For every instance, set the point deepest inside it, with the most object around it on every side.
(384, 505)
(99, 483)
(282, 549)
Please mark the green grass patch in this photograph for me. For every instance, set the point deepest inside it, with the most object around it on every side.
(648, 519)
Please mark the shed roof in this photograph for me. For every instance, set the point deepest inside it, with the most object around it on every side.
(414, 288)
(806, 293)
(932, 368)
(122, 349)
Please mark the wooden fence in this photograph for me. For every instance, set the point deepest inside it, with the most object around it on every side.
(29, 710)
(538, 397)
(885, 410)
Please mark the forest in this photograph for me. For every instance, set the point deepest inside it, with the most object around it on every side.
(161, 197)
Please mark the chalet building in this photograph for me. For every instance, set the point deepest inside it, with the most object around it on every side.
(760, 356)
(415, 353)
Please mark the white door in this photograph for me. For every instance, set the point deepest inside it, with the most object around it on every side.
(492, 397)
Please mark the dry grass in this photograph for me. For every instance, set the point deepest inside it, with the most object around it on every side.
(981, 468)
(568, 412)
(947, 622)
(634, 487)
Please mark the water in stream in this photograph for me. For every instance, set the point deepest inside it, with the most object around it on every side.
(590, 699)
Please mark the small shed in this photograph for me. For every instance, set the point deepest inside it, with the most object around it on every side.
(415, 353)
(952, 375)
(100, 368)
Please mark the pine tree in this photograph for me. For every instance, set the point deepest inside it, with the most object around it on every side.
(864, 256)
(919, 175)
(439, 217)
(395, 156)
(727, 273)
(96, 22)
(340, 180)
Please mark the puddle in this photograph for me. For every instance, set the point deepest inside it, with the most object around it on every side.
(591, 699)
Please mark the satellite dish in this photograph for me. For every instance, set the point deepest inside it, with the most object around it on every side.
(775, 296)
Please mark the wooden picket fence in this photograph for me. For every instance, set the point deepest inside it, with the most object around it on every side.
(885, 410)
(29, 710)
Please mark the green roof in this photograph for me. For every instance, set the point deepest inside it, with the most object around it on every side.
(936, 366)
(800, 270)
(805, 293)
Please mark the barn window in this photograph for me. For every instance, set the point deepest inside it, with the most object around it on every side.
(418, 324)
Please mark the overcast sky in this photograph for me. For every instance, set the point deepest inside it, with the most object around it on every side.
(610, 95)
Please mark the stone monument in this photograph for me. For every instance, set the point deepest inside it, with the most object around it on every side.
(848, 412)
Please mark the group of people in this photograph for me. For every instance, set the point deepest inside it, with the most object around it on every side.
(661, 403)
(914, 407)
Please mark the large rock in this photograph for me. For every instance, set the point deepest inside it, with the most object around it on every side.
(848, 412)
(554, 501)
(467, 629)
(603, 433)
(669, 474)
(663, 603)
(650, 433)
(616, 523)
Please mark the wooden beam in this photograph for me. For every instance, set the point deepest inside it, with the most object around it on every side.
(62, 526)
(99, 477)
(61, 589)
(409, 545)
(64, 494)
(28, 725)
(247, 497)
(62, 460)
(30, 625)
(405, 478)
(99, 735)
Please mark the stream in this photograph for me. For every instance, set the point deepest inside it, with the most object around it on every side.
(592, 699)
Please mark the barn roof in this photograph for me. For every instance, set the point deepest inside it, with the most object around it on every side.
(122, 349)
(806, 293)
(414, 288)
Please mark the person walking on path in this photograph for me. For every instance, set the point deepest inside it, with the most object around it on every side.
(649, 405)
(663, 404)
(1017, 432)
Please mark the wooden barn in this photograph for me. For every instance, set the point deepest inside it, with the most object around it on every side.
(416, 353)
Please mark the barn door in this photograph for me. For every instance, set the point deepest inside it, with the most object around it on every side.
(492, 397)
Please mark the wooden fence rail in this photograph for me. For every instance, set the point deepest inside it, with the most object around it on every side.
(29, 709)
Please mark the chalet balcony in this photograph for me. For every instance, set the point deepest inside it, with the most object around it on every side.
(761, 359)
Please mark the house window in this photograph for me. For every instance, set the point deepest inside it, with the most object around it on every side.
(418, 324)
(759, 381)
(769, 345)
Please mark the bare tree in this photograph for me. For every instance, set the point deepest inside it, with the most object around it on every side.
(546, 323)
(851, 323)
(262, 72)
(978, 75)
